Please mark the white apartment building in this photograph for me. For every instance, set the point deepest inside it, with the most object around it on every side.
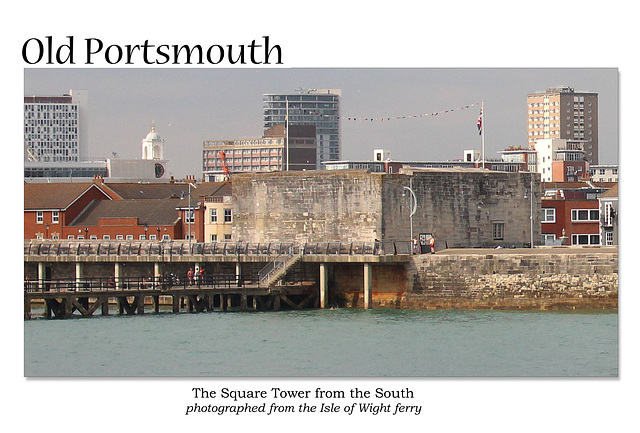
(555, 157)
(56, 127)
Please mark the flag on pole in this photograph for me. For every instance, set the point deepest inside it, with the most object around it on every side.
(480, 123)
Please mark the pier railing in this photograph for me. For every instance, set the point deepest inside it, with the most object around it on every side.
(170, 281)
(184, 248)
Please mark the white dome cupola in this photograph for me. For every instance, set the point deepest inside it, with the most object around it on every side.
(153, 145)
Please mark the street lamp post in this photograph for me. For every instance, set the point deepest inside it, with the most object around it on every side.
(414, 205)
(530, 193)
(190, 215)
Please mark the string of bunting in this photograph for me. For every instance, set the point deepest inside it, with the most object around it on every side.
(383, 119)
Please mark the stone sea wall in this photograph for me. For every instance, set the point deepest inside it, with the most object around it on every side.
(578, 278)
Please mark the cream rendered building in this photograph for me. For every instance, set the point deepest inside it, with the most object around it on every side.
(218, 218)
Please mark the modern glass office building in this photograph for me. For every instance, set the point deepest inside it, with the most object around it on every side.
(317, 107)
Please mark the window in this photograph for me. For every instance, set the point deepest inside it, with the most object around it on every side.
(548, 238)
(498, 231)
(142, 237)
(213, 215)
(119, 237)
(589, 215)
(189, 216)
(548, 215)
(70, 237)
(214, 238)
(166, 237)
(609, 214)
(152, 237)
(585, 239)
(227, 215)
(129, 237)
(609, 238)
(39, 217)
(227, 238)
(55, 217)
(107, 237)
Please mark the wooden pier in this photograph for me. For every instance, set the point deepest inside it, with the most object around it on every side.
(64, 302)
(86, 276)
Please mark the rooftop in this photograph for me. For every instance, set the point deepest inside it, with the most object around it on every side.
(152, 212)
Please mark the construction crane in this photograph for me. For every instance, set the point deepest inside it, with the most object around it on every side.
(225, 167)
(30, 156)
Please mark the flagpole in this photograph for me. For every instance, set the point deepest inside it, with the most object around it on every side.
(286, 128)
(482, 131)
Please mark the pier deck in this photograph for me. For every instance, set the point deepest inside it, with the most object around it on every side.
(62, 300)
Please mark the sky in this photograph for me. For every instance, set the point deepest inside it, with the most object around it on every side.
(189, 106)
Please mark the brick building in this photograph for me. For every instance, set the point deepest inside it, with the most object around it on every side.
(570, 213)
(50, 207)
(276, 150)
(98, 210)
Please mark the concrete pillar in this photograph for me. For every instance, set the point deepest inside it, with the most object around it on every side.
(196, 273)
(368, 277)
(42, 271)
(117, 274)
(324, 285)
(238, 273)
(157, 274)
(79, 274)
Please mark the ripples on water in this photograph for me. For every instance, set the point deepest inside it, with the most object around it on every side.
(336, 343)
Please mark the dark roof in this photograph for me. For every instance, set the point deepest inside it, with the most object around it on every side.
(612, 192)
(153, 212)
(576, 185)
(128, 191)
(53, 195)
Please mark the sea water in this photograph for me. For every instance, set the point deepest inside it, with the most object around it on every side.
(326, 343)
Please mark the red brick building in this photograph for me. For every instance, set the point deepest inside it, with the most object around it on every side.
(128, 220)
(571, 213)
(127, 211)
(50, 207)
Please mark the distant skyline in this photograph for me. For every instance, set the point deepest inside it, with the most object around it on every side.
(189, 106)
